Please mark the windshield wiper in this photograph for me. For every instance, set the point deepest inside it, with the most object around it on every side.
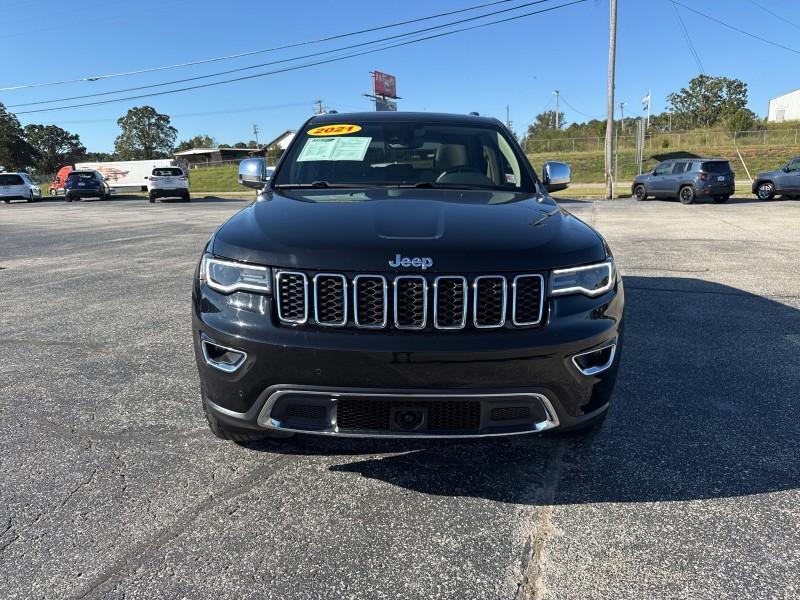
(321, 185)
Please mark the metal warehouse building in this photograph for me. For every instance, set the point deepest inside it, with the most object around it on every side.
(785, 108)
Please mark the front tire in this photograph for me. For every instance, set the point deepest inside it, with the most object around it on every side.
(686, 194)
(765, 191)
(152, 198)
(53, 192)
(187, 197)
(67, 197)
(639, 192)
(30, 196)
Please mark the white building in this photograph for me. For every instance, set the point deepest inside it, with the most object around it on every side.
(785, 108)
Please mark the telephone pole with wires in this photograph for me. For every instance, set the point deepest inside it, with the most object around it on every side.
(255, 133)
(558, 124)
(612, 56)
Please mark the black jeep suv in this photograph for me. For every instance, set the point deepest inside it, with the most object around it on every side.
(406, 275)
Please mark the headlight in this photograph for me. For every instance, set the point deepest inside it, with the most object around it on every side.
(227, 276)
(590, 280)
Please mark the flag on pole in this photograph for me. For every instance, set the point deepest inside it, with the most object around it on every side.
(646, 102)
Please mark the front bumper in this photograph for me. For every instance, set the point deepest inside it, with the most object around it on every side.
(349, 382)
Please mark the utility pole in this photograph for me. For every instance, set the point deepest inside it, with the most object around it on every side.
(612, 57)
(508, 118)
(255, 133)
(557, 121)
(622, 116)
(319, 110)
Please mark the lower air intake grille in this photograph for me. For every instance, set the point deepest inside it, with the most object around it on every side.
(368, 414)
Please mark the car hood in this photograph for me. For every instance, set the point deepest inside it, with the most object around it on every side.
(461, 231)
(767, 174)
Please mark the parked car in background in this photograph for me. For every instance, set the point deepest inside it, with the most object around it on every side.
(168, 182)
(18, 186)
(784, 181)
(121, 176)
(687, 179)
(86, 184)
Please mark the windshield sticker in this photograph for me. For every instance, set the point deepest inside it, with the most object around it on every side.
(511, 178)
(334, 130)
(334, 149)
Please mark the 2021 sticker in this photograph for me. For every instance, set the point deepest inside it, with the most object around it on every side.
(337, 129)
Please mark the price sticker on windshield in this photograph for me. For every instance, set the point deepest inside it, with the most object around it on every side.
(334, 130)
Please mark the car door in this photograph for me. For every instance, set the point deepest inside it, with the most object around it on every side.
(675, 179)
(659, 183)
(791, 179)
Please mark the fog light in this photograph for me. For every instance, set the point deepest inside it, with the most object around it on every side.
(595, 361)
(221, 357)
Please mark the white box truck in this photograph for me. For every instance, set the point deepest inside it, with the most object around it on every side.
(127, 175)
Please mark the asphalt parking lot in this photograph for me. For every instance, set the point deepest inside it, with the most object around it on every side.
(112, 486)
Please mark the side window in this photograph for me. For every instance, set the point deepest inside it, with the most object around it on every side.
(679, 168)
(663, 169)
(795, 165)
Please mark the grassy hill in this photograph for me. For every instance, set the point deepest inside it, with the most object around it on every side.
(587, 167)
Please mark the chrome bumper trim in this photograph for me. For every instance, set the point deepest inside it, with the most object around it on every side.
(264, 419)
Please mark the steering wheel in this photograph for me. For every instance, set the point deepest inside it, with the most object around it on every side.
(461, 169)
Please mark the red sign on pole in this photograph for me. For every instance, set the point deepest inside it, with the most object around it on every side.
(384, 84)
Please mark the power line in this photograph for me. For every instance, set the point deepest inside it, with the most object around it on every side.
(734, 28)
(774, 14)
(254, 52)
(306, 65)
(275, 62)
(565, 101)
(687, 37)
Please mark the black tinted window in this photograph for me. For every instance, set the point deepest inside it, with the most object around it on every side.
(717, 166)
(81, 176)
(167, 172)
(679, 167)
(6, 179)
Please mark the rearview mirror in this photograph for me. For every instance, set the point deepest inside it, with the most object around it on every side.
(253, 173)
(556, 176)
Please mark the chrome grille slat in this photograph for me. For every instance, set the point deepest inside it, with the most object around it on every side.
(450, 302)
(324, 299)
(527, 303)
(288, 291)
(330, 299)
(410, 302)
(370, 301)
(489, 311)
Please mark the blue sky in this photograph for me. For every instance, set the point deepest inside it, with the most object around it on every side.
(518, 63)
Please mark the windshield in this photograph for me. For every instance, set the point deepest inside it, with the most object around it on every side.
(409, 154)
(11, 180)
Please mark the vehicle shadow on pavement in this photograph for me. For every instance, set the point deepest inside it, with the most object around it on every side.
(705, 407)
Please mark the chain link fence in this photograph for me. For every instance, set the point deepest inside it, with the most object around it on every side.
(666, 140)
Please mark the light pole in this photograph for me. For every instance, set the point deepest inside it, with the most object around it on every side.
(557, 122)
(612, 55)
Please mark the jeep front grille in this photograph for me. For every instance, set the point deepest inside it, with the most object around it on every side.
(415, 302)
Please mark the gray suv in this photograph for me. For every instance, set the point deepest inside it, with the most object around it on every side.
(687, 179)
(784, 181)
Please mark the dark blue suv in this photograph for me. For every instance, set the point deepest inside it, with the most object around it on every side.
(687, 179)
(86, 184)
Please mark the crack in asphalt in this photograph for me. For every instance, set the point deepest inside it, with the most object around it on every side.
(82, 484)
(532, 585)
(111, 577)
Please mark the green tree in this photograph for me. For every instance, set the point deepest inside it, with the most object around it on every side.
(707, 101)
(240, 145)
(198, 141)
(544, 122)
(15, 151)
(252, 144)
(146, 134)
(55, 146)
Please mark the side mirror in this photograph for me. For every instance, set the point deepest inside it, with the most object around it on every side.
(556, 176)
(253, 173)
